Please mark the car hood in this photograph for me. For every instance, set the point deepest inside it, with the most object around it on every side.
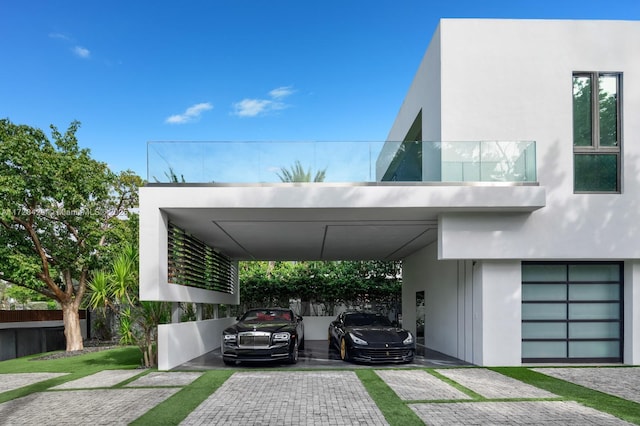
(271, 326)
(379, 334)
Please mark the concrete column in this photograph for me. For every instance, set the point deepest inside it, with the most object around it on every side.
(497, 313)
(631, 337)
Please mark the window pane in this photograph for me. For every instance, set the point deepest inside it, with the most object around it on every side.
(608, 109)
(594, 311)
(594, 330)
(544, 330)
(594, 273)
(582, 113)
(544, 292)
(594, 349)
(544, 311)
(594, 292)
(544, 350)
(544, 273)
(596, 172)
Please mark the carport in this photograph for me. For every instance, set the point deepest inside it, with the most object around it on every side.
(297, 221)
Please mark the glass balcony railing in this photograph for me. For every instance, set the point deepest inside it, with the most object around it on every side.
(345, 162)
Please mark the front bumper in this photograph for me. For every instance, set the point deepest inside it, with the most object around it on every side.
(272, 353)
(373, 354)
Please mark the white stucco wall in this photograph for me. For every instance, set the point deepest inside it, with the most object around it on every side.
(512, 80)
(182, 342)
(473, 309)
(423, 272)
(423, 95)
(154, 258)
(497, 313)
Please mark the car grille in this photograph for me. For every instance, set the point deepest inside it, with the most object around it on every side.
(383, 354)
(254, 339)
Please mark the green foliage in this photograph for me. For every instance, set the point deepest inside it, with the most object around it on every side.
(328, 283)
(23, 295)
(297, 173)
(116, 290)
(125, 327)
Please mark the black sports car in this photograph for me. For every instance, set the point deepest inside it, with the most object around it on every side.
(370, 337)
(273, 334)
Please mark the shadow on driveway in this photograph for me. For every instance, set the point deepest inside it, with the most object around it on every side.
(317, 354)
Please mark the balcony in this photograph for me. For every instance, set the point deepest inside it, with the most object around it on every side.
(507, 162)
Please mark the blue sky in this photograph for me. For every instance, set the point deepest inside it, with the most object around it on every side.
(229, 70)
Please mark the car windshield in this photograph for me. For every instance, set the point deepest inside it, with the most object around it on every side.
(363, 320)
(267, 315)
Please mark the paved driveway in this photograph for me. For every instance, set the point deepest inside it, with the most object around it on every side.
(445, 395)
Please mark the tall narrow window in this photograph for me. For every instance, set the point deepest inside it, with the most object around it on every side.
(596, 131)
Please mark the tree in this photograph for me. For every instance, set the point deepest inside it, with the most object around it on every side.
(57, 207)
(297, 173)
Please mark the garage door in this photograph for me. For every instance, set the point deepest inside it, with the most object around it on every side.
(572, 312)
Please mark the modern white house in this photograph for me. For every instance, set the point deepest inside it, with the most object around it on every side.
(509, 185)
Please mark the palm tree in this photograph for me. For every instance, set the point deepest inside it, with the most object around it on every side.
(297, 173)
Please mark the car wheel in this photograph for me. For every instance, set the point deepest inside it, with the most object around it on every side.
(293, 356)
(228, 361)
(344, 351)
(301, 347)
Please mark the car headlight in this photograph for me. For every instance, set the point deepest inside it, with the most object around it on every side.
(281, 337)
(230, 338)
(357, 340)
(408, 340)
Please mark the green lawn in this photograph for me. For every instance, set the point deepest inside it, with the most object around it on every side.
(396, 411)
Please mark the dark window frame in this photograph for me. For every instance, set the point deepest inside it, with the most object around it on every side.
(595, 148)
(567, 302)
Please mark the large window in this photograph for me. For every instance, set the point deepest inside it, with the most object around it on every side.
(572, 312)
(597, 137)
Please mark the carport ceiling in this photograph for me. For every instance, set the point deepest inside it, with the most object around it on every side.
(310, 233)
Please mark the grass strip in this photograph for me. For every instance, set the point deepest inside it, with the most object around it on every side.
(456, 385)
(395, 410)
(177, 407)
(77, 366)
(621, 408)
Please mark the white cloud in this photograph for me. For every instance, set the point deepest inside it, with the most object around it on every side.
(58, 36)
(281, 92)
(191, 114)
(81, 52)
(253, 107)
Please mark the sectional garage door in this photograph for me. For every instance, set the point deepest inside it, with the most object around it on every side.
(572, 312)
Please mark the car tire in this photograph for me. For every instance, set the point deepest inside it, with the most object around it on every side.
(293, 356)
(228, 361)
(301, 346)
(344, 350)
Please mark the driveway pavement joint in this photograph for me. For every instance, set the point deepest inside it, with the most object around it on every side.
(623, 382)
(493, 385)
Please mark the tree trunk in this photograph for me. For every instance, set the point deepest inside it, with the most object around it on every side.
(72, 332)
